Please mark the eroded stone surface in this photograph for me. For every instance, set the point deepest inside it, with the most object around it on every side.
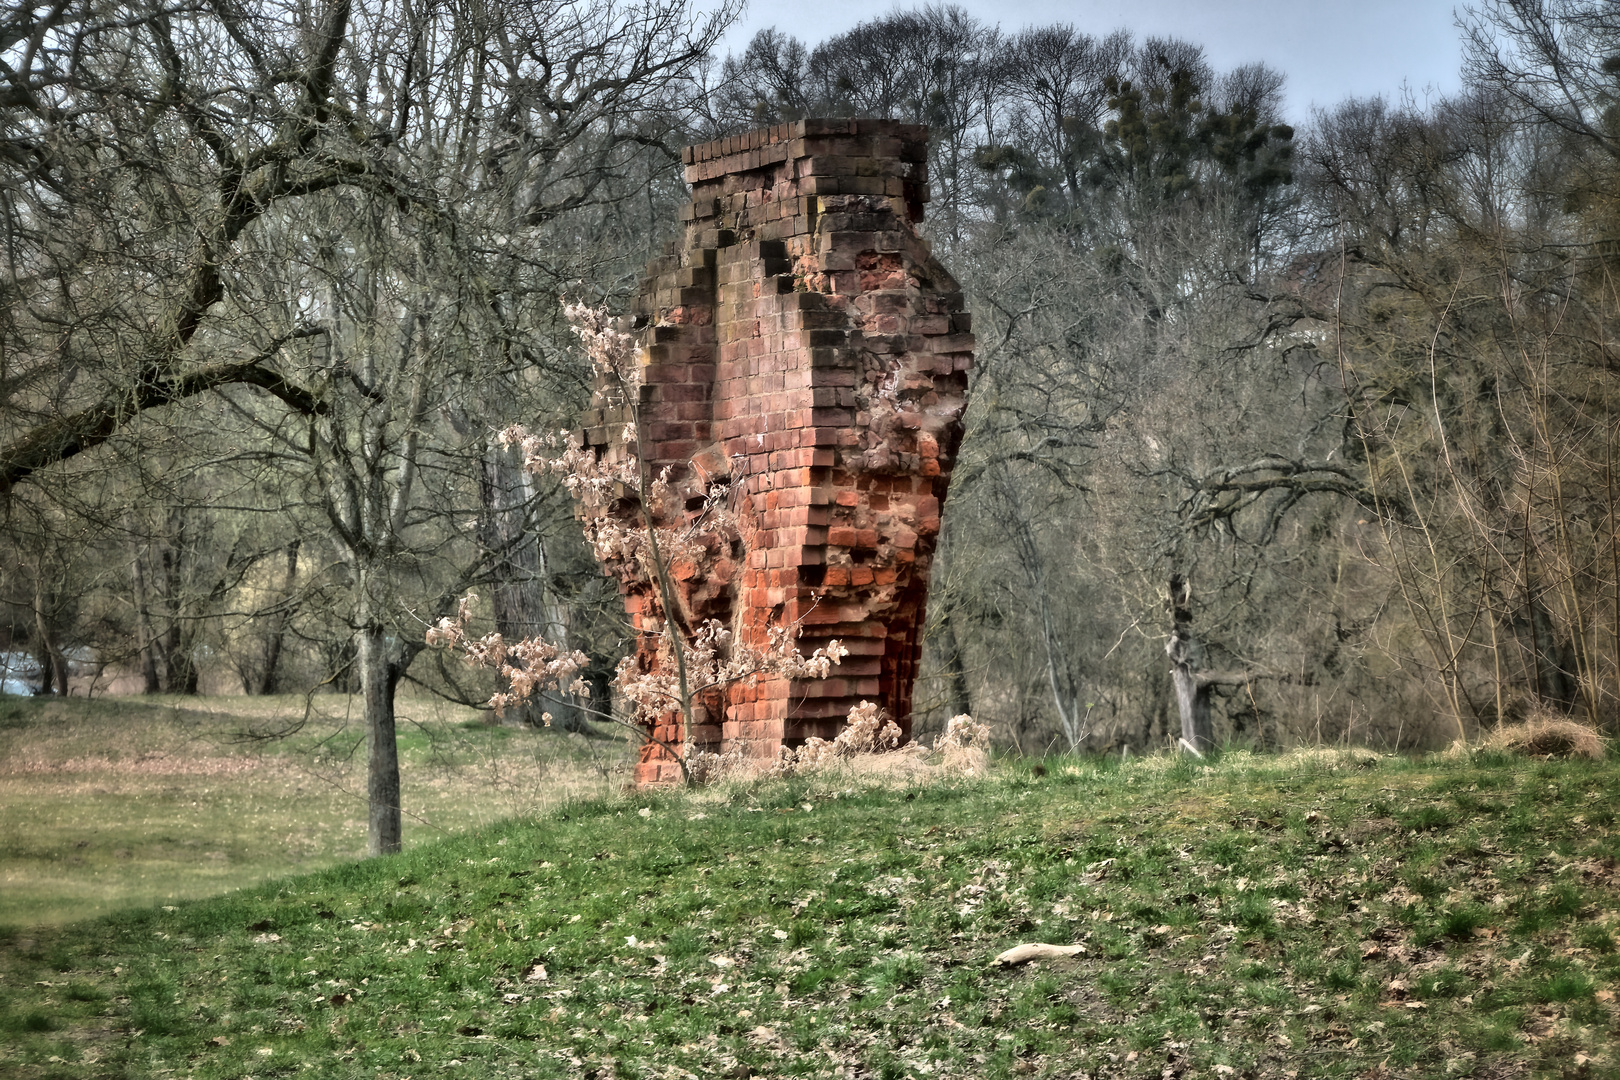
(804, 347)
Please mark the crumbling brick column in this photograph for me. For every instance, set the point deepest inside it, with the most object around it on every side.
(803, 346)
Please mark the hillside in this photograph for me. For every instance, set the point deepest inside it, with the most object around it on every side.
(1321, 914)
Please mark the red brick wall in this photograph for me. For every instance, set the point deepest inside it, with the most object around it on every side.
(804, 342)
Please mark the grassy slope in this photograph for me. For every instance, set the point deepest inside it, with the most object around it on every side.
(119, 802)
(1313, 916)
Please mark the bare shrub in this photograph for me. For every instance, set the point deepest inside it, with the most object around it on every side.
(691, 660)
(1544, 736)
(870, 748)
(964, 747)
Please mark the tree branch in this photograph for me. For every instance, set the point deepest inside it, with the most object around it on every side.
(69, 436)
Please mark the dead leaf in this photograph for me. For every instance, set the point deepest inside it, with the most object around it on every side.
(535, 972)
(1038, 950)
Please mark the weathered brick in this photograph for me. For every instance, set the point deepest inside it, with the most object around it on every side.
(791, 306)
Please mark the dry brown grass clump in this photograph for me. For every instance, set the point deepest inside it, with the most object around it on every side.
(1547, 737)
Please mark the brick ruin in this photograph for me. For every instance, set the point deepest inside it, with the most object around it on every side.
(804, 347)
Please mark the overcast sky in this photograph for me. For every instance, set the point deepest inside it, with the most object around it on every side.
(1329, 49)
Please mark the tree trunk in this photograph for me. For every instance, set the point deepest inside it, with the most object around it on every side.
(1554, 660)
(53, 677)
(1192, 697)
(517, 589)
(278, 625)
(1059, 679)
(957, 696)
(143, 623)
(379, 676)
(522, 602)
(180, 673)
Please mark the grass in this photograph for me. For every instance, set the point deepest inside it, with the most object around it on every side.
(1312, 915)
(122, 802)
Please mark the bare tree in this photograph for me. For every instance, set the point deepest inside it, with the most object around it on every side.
(349, 224)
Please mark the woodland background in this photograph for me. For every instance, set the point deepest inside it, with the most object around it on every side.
(277, 272)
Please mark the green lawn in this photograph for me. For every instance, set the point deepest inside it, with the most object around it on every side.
(122, 802)
(1320, 914)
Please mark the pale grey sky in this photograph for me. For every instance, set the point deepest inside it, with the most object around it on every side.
(1329, 49)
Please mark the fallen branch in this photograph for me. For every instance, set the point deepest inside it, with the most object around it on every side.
(1037, 950)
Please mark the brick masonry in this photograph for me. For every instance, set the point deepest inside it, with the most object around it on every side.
(802, 345)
